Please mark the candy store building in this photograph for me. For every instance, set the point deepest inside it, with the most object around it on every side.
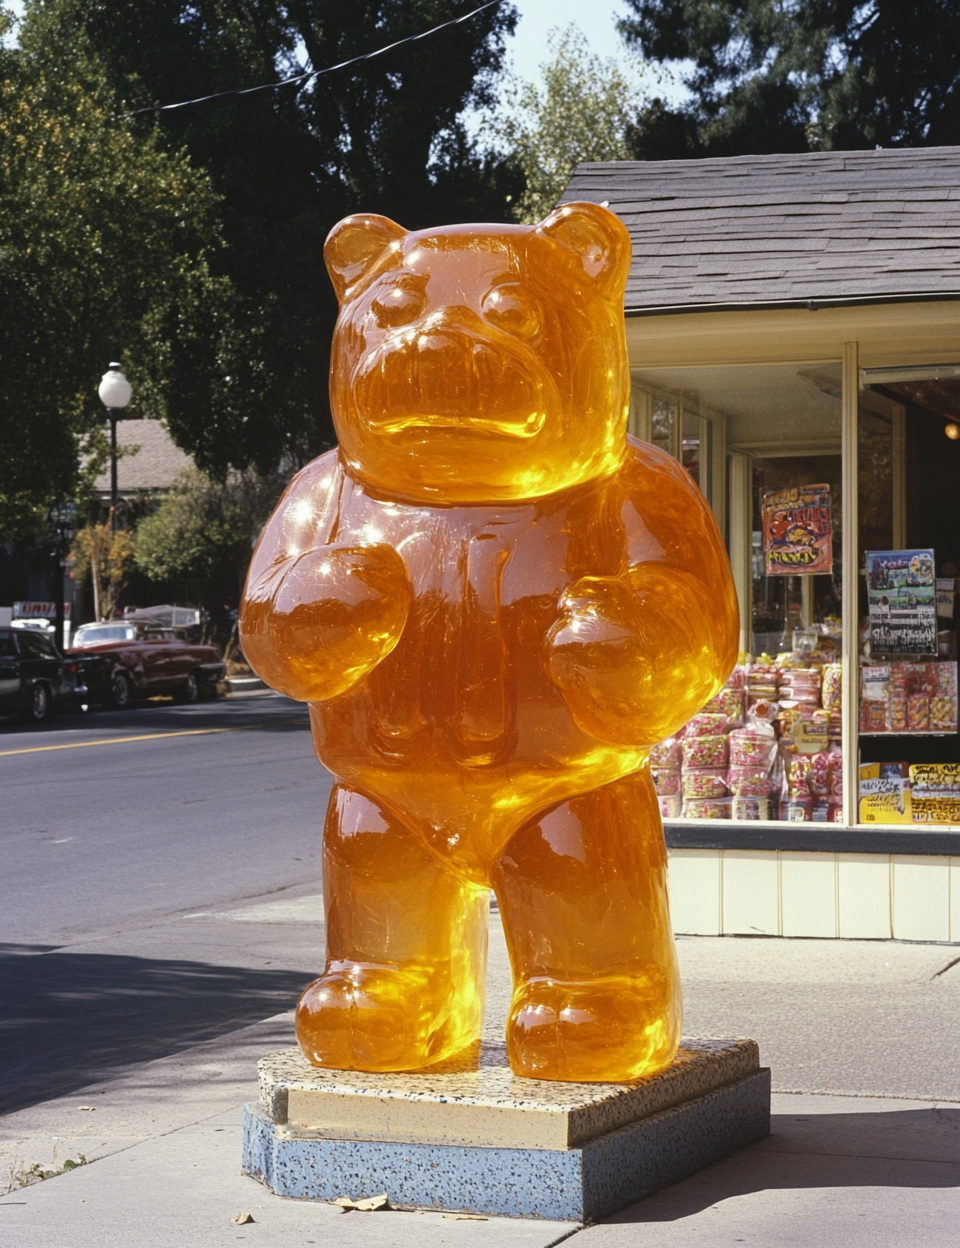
(793, 327)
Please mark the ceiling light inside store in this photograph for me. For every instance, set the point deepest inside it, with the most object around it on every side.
(952, 431)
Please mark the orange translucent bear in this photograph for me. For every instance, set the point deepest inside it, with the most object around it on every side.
(494, 602)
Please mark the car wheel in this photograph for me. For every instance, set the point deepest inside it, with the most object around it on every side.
(120, 690)
(41, 703)
(189, 690)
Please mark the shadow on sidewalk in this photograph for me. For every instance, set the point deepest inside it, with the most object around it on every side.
(906, 1148)
(69, 1017)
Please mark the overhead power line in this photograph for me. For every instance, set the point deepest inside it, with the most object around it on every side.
(314, 73)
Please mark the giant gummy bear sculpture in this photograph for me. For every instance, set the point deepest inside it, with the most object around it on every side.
(494, 602)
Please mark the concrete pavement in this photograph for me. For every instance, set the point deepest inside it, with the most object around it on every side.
(876, 1167)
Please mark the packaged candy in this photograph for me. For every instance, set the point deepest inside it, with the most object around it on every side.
(795, 810)
(670, 806)
(705, 751)
(750, 808)
(943, 714)
(835, 785)
(832, 686)
(666, 753)
(797, 772)
(873, 716)
(820, 773)
(752, 747)
(918, 712)
(729, 704)
(706, 808)
(748, 781)
(704, 782)
(705, 724)
(666, 780)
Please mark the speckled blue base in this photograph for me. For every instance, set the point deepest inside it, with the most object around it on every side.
(574, 1184)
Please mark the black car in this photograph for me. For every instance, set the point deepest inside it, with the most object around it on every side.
(35, 678)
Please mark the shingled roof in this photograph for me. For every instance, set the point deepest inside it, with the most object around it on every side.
(820, 228)
(152, 466)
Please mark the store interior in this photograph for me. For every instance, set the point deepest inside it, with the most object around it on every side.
(754, 438)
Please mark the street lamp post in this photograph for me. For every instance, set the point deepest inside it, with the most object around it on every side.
(114, 394)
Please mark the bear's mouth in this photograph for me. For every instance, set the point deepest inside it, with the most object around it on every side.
(445, 379)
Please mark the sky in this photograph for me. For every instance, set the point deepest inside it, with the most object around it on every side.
(528, 48)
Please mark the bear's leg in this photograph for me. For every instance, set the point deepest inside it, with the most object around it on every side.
(406, 948)
(583, 895)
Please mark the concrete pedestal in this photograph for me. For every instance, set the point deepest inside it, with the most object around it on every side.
(473, 1138)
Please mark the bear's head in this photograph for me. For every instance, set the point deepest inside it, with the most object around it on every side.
(480, 363)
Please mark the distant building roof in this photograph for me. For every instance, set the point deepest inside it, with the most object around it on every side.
(153, 467)
(850, 227)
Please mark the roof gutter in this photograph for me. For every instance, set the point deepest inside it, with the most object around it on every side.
(808, 305)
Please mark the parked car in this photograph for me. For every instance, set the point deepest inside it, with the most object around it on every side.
(124, 660)
(35, 678)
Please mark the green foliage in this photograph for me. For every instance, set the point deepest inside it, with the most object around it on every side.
(203, 525)
(770, 76)
(580, 111)
(108, 557)
(105, 237)
(383, 136)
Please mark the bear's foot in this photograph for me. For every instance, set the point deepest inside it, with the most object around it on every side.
(383, 1018)
(610, 1030)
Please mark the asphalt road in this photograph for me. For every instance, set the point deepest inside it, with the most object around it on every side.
(110, 819)
(125, 837)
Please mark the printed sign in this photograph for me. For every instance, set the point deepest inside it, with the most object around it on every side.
(945, 596)
(936, 792)
(901, 593)
(38, 610)
(797, 535)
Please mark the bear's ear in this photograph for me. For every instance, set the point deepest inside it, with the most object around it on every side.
(354, 246)
(594, 234)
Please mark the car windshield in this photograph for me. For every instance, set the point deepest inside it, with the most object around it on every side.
(97, 634)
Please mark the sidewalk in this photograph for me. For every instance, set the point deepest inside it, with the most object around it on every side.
(864, 1043)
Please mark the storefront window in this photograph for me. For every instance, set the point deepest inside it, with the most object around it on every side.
(769, 746)
(909, 548)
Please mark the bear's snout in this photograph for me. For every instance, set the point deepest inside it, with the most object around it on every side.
(447, 374)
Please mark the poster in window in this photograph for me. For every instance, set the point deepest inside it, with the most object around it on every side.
(902, 596)
(797, 534)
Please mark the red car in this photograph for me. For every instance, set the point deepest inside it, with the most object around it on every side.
(121, 661)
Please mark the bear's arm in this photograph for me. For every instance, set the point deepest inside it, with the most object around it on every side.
(636, 655)
(318, 615)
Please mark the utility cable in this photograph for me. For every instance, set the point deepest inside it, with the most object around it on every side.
(314, 73)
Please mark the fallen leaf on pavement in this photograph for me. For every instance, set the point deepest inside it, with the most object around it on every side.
(91, 1108)
(467, 1217)
(244, 1218)
(367, 1205)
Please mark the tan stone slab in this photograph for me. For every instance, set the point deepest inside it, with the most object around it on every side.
(481, 1103)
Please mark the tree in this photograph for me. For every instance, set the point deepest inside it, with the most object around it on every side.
(203, 525)
(383, 136)
(105, 244)
(776, 76)
(109, 558)
(580, 111)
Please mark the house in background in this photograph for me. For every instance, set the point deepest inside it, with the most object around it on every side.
(794, 321)
(150, 465)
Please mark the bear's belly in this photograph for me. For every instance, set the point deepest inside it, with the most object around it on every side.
(460, 730)
(465, 750)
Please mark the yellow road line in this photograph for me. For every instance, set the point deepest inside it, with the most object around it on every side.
(149, 736)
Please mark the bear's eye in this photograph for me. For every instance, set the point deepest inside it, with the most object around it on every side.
(512, 309)
(398, 305)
